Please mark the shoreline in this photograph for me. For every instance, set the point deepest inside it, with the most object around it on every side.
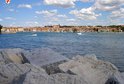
(59, 28)
(57, 32)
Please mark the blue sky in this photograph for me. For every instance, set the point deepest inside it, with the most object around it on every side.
(64, 12)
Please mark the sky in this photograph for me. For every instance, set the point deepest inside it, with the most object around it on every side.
(64, 12)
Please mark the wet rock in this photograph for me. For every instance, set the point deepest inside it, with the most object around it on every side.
(92, 70)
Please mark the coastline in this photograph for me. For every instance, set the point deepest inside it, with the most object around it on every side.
(45, 66)
(59, 28)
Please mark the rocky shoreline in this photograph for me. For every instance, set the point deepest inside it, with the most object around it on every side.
(44, 66)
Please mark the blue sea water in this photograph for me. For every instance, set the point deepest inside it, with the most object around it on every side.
(106, 46)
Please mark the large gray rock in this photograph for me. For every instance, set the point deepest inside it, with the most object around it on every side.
(29, 74)
(43, 56)
(93, 71)
(122, 75)
(14, 73)
(12, 56)
(60, 78)
(116, 78)
(15, 68)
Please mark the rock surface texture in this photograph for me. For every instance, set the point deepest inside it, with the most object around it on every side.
(43, 56)
(11, 56)
(92, 70)
(31, 67)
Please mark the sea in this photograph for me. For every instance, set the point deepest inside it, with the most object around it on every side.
(106, 46)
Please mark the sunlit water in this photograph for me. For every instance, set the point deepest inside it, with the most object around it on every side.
(106, 46)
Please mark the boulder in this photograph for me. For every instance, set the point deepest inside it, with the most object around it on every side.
(14, 73)
(92, 70)
(52, 68)
(12, 56)
(60, 78)
(43, 56)
(24, 67)
(29, 74)
(116, 78)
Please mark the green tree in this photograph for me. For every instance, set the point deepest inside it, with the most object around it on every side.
(74, 30)
(0, 28)
(122, 28)
(99, 26)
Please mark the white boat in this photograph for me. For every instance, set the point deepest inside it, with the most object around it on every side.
(79, 33)
(34, 35)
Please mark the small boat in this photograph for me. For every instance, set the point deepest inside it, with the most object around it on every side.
(34, 35)
(79, 33)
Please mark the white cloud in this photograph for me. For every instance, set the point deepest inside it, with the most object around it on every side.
(1, 19)
(62, 16)
(55, 19)
(108, 5)
(64, 3)
(32, 23)
(47, 13)
(24, 6)
(11, 10)
(86, 0)
(38, 12)
(85, 13)
(10, 18)
(12, 24)
(71, 20)
(117, 14)
(61, 3)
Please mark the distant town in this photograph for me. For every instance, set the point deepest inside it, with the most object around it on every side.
(59, 28)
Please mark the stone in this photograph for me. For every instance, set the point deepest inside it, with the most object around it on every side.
(52, 68)
(62, 78)
(92, 70)
(116, 78)
(29, 74)
(44, 66)
(122, 74)
(12, 56)
(43, 56)
(59, 78)
(46, 58)
(12, 72)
